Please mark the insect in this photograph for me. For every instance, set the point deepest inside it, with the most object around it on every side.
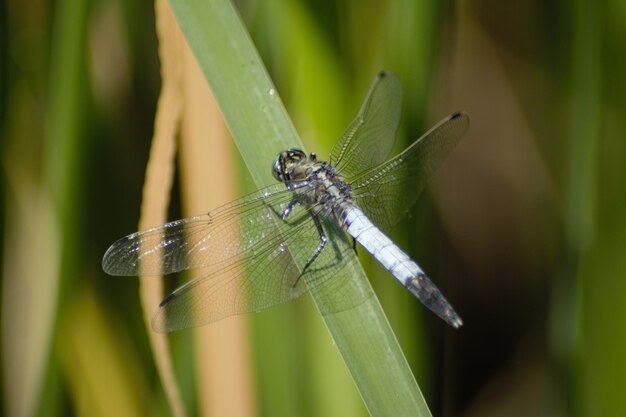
(275, 244)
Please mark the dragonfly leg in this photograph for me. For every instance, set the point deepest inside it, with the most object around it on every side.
(318, 250)
(286, 212)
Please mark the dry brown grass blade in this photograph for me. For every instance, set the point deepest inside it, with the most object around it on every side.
(225, 386)
(159, 175)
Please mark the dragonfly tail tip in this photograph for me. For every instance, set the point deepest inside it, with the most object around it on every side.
(454, 320)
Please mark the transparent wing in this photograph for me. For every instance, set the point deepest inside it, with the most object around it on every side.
(370, 137)
(257, 278)
(387, 192)
(251, 259)
(270, 277)
(201, 241)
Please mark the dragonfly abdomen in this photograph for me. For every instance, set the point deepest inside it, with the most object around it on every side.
(398, 263)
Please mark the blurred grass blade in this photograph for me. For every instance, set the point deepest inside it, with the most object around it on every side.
(42, 215)
(308, 62)
(594, 225)
(96, 353)
(222, 360)
(261, 128)
(158, 182)
(29, 292)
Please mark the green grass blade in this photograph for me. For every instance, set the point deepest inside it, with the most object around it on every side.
(261, 128)
(594, 220)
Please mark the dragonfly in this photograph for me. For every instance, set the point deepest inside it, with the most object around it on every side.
(283, 240)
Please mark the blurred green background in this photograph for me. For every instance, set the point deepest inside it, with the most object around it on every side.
(523, 228)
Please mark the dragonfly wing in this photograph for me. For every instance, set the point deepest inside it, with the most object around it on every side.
(263, 277)
(387, 192)
(201, 241)
(256, 279)
(368, 140)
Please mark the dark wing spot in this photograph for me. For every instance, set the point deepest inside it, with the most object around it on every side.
(168, 299)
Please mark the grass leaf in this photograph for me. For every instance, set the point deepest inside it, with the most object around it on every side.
(261, 127)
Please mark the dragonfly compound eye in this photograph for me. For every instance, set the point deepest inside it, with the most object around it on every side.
(277, 168)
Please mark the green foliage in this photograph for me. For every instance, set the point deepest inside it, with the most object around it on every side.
(523, 229)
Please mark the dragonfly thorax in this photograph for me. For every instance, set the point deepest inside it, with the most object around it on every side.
(314, 183)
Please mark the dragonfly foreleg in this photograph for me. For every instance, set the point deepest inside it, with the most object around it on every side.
(318, 250)
(288, 209)
(286, 212)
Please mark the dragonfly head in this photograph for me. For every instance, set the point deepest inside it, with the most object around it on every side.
(285, 162)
